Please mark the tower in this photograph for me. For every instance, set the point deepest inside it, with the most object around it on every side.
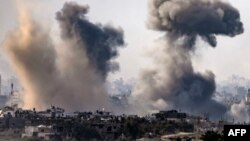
(0, 84)
(248, 97)
(12, 89)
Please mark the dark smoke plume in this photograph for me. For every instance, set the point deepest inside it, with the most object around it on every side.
(173, 83)
(70, 73)
(205, 18)
(100, 42)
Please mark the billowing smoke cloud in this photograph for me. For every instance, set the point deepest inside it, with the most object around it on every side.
(100, 42)
(71, 73)
(173, 83)
(205, 18)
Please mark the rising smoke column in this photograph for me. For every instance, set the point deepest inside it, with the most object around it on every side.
(32, 54)
(71, 73)
(173, 83)
(100, 42)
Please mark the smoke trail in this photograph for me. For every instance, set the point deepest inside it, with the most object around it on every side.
(65, 74)
(173, 83)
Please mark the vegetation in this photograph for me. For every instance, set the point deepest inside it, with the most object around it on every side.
(212, 136)
(140, 127)
(82, 132)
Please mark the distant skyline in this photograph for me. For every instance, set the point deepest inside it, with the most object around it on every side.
(231, 56)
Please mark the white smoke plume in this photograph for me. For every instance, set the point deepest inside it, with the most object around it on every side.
(240, 112)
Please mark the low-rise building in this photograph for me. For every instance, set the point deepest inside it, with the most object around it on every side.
(42, 132)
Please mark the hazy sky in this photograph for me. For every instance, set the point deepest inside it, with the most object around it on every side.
(230, 57)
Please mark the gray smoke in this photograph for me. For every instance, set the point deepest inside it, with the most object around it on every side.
(205, 18)
(240, 112)
(70, 73)
(173, 83)
(100, 42)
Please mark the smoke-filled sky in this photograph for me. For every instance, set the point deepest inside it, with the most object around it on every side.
(177, 51)
(131, 15)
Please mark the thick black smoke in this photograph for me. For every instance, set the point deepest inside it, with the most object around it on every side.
(173, 83)
(69, 73)
(100, 42)
(205, 18)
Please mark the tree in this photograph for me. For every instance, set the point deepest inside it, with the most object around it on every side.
(212, 136)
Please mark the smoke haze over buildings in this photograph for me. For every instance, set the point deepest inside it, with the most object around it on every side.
(72, 72)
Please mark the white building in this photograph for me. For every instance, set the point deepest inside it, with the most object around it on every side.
(8, 111)
(42, 132)
(52, 112)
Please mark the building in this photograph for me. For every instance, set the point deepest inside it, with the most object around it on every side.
(248, 97)
(9, 122)
(3, 100)
(170, 115)
(42, 132)
(52, 112)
